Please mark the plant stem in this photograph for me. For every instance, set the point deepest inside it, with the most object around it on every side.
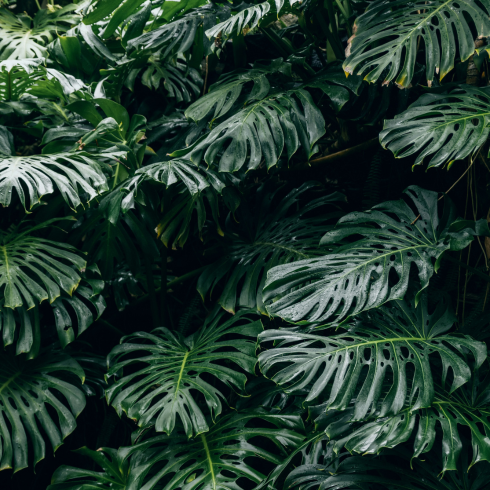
(345, 15)
(331, 38)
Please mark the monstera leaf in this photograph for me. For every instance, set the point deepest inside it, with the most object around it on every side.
(179, 35)
(218, 458)
(356, 276)
(447, 412)
(248, 18)
(376, 349)
(223, 95)
(443, 127)
(261, 131)
(268, 233)
(88, 293)
(16, 76)
(181, 82)
(386, 37)
(22, 37)
(172, 171)
(115, 472)
(172, 370)
(34, 269)
(40, 174)
(386, 472)
(27, 389)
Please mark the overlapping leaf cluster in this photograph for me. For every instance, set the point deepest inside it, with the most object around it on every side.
(182, 252)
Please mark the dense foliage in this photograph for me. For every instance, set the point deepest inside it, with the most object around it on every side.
(244, 245)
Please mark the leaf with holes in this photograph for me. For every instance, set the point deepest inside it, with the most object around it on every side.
(388, 34)
(172, 369)
(356, 277)
(218, 458)
(22, 37)
(27, 388)
(268, 232)
(442, 127)
(376, 349)
(449, 413)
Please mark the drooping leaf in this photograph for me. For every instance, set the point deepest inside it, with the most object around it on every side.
(446, 412)
(178, 36)
(173, 171)
(27, 388)
(172, 369)
(376, 349)
(70, 173)
(356, 277)
(387, 472)
(440, 127)
(181, 206)
(268, 233)
(466, 408)
(387, 35)
(218, 458)
(263, 130)
(87, 293)
(109, 238)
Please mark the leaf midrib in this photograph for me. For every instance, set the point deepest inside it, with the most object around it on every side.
(379, 257)
(179, 379)
(209, 459)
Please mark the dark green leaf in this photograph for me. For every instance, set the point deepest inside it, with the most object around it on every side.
(440, 127)
(173, 367)
(27, 388)
(387, 35)
(356, 276)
